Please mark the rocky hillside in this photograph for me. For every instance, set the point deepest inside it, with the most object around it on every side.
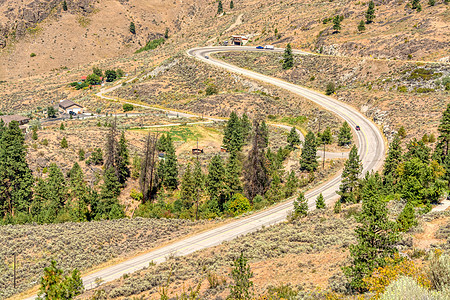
(61, 38)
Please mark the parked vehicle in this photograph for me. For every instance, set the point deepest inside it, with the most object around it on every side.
(206, 56)
(259, 47)
(357, 128)
(269, 47)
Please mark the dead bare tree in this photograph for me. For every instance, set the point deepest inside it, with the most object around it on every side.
(256, 178)
(148, 179)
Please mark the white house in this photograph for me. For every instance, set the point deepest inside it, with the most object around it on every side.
(67, 106)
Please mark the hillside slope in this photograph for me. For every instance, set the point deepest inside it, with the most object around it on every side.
(90, 31)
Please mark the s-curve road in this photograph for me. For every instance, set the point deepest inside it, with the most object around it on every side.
(371, 150)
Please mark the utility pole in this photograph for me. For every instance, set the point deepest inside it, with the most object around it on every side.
(15, 269)
(323, 162)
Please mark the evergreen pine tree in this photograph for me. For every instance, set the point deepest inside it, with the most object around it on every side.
(219, 7)
(256, 177)
(241, 274)
(274, 193)
(78, 194)
(392, 161)
(415, 4)
(431, 2)
(62, 127)
(246, 127)
(444, 132)
(288, 61)
(337, 206)
(233, 171)
(56, 286)
(169, 169)
(402, 132)
(199, 180)
(407, 218)
(301, 205)
(337, 23)
(361, 26)
(64, 5)
(291, 185)
(417, 149)
(308, 160)
(327, 137)
(370, 14)
(112, 148)
(132, 28)
(293, 138)
(34, 135)
(57, 189)
(15, 175)
(233, 134)
(263, 134)
(188, 188)
(123, 160)
(231, 4)
(352, 170)
(215, 185)
(109, 206)
(345, 135)
(64, 143)
(320, 202)
(376, 236)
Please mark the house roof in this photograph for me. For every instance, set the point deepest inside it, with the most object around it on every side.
(7, 119)
(67, 103)
(83, 77)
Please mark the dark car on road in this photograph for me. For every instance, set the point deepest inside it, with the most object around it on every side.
(259, 47)
(357, 128)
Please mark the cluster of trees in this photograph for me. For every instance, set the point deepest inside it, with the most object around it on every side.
(96, 77)
(370, 16)
(230, 186)
(417, 175)
(59, 197)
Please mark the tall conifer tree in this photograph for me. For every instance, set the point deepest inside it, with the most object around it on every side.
(15, 175)
(376, 235)
(308, 159)
(352, 170)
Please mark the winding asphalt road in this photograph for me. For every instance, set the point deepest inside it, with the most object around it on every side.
(371, 150)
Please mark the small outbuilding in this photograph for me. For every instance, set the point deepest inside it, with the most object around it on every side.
(23, 121)
(239, 40)
(70, 107)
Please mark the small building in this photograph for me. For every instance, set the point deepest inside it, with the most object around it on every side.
(223, 149)
(70, 107)
(83, 78)
(23, 121)
(239, 40)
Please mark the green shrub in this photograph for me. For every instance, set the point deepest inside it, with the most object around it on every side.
(330, 88)
(439, 271)
(238, 205)
(127, 107)
(136, 195)
(153, 44)
(211, 90)
(33, 54)
(402, 89)
(424, 74)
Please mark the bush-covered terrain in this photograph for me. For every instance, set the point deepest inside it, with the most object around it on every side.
(83, 245)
